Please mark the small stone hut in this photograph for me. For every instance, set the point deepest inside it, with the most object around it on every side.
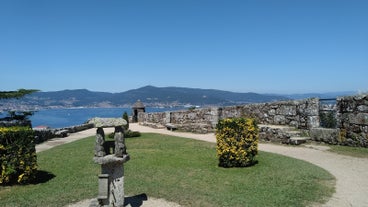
(137, 108)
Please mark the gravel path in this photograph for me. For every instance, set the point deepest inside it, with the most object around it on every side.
(351, 173)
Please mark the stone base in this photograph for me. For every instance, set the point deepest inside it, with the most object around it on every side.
(111, 181)
(94, 203)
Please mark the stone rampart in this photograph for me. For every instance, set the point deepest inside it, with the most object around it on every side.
(302, 114)
(352, 119)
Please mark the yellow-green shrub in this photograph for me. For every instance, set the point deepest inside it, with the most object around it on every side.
(237, 142)
(18, 160)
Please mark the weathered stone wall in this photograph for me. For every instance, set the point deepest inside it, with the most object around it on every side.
(302, 114)
(199, 121)
(352, 119)
(158, 118)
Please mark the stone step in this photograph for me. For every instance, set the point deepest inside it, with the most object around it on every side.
(298, 140)
(282, 133)
(280, 127)
(294, 133)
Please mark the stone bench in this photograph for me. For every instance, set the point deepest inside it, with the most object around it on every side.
(62, 133)
(170, 127)
(298, 140)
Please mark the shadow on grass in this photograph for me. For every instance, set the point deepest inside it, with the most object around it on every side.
(135, 201)
(43, 177)
(255, 162)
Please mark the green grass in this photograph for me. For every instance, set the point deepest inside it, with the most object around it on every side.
(350, 151)
(180, 170)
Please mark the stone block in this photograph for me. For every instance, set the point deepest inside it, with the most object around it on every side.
(362, 108)
(105, 160)
(107, 122)
(313, 122)
(286, 110)
(103, 186)
(330, 136)
(360, 118)
(279, 119)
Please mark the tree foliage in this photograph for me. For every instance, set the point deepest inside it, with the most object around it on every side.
(126, 117)
(16, 94)
(17, 115)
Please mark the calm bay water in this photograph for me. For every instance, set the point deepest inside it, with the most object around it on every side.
(58, 118)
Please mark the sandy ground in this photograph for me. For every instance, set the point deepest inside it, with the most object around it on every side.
(351, 173)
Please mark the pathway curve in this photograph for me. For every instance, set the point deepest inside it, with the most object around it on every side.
(71, 138)
(351, 173)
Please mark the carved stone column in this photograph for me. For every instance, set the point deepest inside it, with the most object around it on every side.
(111, 179)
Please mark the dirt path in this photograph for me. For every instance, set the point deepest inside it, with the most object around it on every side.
(351, 173)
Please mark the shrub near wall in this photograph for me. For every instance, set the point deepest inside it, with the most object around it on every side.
(237, 142)
(18, 158)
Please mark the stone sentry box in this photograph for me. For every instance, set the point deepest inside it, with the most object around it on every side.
(111, 155)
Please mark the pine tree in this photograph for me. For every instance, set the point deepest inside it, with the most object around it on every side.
(16, 94)
(17, 115)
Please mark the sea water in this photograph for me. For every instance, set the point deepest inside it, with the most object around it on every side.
(59, 118)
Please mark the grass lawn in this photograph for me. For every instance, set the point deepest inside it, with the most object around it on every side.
(350, 151)
(176, 169)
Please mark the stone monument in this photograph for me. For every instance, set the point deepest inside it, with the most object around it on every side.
(111, 155)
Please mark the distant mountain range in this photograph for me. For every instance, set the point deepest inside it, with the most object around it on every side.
(151, 96)
(331, 95)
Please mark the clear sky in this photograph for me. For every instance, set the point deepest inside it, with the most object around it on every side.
(264, 46)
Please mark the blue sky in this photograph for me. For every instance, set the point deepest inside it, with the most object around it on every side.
(264, 46)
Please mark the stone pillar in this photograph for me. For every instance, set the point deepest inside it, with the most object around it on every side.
(120, 149)
(115, 170)
(100, 141)
(312, 112)
(216, 113)
(113, 167)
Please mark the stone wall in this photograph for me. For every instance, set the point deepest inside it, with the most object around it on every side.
(352, 119)
(302, 114)
(44, 134)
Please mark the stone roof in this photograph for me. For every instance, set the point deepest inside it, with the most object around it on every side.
(107, 122)
(138, 105)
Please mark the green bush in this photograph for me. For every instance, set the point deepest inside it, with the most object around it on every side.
(18, 157)
(130, 133)
(127, 134)
(328, 119)
(126, 118)
(237, 142)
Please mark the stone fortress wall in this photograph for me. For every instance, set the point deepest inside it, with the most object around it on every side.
(352, 118)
